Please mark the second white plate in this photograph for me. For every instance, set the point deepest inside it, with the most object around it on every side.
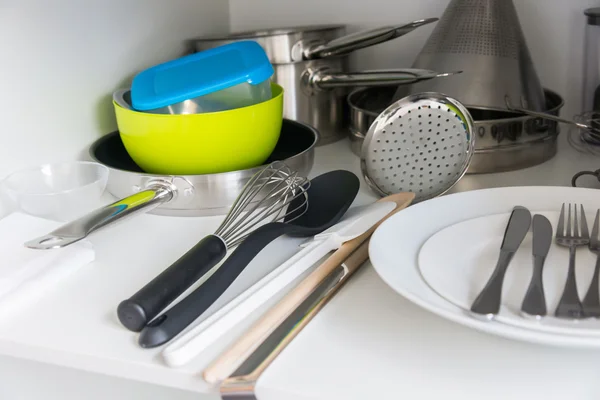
(395, 247)
(458, 261)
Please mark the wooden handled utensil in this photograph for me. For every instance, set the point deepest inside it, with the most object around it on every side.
(269, 335)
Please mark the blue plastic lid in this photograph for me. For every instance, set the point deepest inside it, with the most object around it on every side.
(199, 74)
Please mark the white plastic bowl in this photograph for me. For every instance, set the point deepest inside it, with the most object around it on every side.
(60, 192)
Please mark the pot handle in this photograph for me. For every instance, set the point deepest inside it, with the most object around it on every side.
(156, 193)
(355, 41)
(323, 79)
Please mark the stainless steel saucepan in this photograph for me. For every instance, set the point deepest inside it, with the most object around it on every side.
(189, 195)
(505, 140)
(311, 64)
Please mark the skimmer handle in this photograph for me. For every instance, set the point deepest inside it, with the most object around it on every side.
(547, 116)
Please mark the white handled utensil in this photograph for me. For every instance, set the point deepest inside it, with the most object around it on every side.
(194, 342)
(315, 282)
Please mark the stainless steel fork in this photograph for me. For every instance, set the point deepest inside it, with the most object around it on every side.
(591, 301)
(569, 305)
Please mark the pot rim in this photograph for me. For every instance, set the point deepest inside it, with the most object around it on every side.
(351, 100)
(233, 175)
(269, 32)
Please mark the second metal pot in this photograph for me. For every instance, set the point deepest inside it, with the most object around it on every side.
(505, 141)
(311, 64)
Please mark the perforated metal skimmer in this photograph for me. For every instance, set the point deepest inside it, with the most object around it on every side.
(422, 143)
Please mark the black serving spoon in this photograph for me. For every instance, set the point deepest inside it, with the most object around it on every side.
(329, 197)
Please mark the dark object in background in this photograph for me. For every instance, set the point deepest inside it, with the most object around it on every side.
(587, 179)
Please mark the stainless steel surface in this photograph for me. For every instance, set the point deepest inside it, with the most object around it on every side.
(534, 302)
(191, 106)
(123, 98)
(487, 303)
(542, 115)
(505, 141)
(591, 301)
(421, 144)
(278, 43)
(265, 196)
(356, 41)
(201, 195)
(324, 79)
(484, 39)
(325, 109)
(356, 141)
(298, 44)
(569, 305)
(512, 157)
(157, 193)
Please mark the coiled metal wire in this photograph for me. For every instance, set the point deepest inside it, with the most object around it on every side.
(267, 196)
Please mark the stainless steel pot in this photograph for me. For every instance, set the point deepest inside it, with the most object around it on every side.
(311, 64)
(505, 141)
(189, 195)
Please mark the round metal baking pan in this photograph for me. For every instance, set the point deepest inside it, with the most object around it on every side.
(201, 195)
(505, 140)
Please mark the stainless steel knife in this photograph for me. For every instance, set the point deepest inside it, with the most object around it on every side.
(488, 302)
(534, 303)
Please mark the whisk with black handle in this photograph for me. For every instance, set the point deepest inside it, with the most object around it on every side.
(265, 197)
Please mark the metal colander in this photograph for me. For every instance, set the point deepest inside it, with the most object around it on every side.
(422, 143)
(482, 38)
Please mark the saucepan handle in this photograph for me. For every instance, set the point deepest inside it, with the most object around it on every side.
(325, 79)
(157, 192)
(355, 41)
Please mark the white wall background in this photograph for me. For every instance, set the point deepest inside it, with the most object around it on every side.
(60, 62)
(62, 59)
(554, 30)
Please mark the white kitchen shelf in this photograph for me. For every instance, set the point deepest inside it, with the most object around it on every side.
(367, 343)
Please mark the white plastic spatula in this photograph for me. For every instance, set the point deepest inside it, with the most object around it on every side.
(192, 343)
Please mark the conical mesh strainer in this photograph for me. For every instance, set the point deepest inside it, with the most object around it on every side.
(482, 38)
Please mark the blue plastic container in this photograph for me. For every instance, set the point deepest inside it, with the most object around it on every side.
(230, 76)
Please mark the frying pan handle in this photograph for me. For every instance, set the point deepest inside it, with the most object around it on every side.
(355, 41)
(158, 192)
(324, 79)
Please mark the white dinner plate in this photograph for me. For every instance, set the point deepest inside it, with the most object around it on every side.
(457, 269)
(395, 246)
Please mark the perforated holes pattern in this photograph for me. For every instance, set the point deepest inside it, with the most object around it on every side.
(488, 28)
(421, 149)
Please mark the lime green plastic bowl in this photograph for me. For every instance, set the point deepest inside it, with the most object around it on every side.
(206, 143)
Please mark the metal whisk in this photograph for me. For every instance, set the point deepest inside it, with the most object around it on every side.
(276, 187)
(268, 196)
